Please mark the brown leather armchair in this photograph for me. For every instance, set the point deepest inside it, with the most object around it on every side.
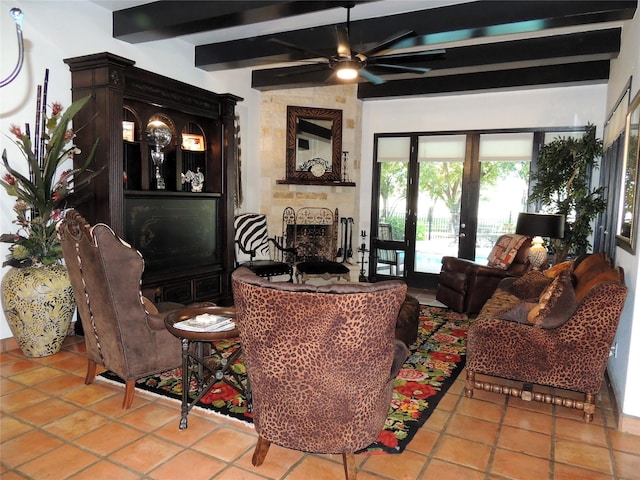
(124, 332)
(465, 286)
(320, 360)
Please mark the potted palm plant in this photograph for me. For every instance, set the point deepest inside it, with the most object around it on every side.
(37, 298)
(563, 185)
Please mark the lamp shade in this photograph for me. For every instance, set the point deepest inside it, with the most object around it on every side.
(540, 224)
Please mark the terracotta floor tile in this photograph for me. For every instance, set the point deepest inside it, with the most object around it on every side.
(531, 406)
(61, 385)
(151, 416)
(24, 448)
(524, 441)
(527, 420)
(7, 386)
(581, 455)
(473, 407)
(627, 465)
(315, 467)
(90, 394)
(405, 466)
(112, 406)
(145, 454)
(437, 420)
(624, 441)
(109, 438)
(11, 427)
(235, 473)
(188, 464)
(473, 429)
(105, 470)
(440, 470)
(16, 366)
(463, 452)
(197, 429)
(229, 445)
(21, 399)
(519, 466)
(45, 412)
(59, 463)
(77, 424)
(277, 462)
(581, 431)
(570, 472)
(75, 363)
(12, 476)
(423, 441)
(448, 402)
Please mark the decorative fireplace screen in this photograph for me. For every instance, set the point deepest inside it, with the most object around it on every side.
(313, 231)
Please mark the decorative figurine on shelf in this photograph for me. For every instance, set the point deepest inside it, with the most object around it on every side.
(196, 179)
(363, 250)
(158, 134)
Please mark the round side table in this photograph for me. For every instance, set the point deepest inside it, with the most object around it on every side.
(201, 360)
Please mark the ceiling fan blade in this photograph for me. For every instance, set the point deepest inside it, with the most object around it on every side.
(389, 43)
(344, 49)
(376, 80)
(404, 68)
(436, 54)
(313, 53)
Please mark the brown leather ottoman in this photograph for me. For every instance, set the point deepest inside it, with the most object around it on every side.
(407, 324)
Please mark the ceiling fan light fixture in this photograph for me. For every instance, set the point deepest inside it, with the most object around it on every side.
(347, 73)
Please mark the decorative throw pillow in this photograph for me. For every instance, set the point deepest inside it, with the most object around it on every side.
(530, 285)
(518, 313)
(555, 270)
(556, 304)
(505, 250)
(610, 275)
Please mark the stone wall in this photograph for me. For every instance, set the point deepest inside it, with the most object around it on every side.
(273, 120)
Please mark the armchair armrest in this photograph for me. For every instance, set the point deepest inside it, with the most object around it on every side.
(457, 265)
(486, 271)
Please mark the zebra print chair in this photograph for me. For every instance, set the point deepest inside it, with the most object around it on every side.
(253, 247)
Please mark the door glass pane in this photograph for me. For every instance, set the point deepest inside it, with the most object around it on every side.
(441, 161)
(393, 156)
(505, 159)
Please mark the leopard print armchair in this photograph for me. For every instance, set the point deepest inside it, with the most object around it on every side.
(320, 360)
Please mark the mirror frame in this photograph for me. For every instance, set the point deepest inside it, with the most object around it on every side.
(293, 114)
(627, 231)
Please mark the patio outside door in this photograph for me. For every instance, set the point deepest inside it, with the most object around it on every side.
(444, 194)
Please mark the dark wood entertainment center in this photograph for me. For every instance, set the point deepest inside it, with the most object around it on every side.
(184, 231)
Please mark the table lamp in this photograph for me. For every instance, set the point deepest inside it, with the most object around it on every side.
(538, 225)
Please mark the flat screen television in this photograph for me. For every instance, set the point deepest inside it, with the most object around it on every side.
(174, 234)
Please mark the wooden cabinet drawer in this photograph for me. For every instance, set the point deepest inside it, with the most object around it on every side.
(178, 292)
(208, 287)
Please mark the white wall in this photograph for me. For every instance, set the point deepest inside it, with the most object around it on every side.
(625, 378)
(55, 30)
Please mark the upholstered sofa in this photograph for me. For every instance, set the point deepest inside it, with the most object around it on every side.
(554, 329)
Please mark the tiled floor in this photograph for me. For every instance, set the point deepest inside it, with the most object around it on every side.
(52, 426)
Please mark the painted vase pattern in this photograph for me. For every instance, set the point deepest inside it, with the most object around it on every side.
(38, 304)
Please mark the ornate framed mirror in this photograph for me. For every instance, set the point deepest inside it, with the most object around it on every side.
(314, 145)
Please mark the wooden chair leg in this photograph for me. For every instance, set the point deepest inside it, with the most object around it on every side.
(262, 447)
(471, 380)
(91, 372)
(349, 461)
(589, 407)
(129, 390)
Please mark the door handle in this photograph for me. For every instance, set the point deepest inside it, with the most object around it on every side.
(462, 235)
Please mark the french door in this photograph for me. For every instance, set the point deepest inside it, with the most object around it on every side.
(444, 194)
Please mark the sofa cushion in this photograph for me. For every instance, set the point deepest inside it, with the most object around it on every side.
(505, 250)
(530, 285)
(518, 313)
(589, 281)
(557, 303)
(555, 270)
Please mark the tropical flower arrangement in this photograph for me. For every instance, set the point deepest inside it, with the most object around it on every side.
(45, 191)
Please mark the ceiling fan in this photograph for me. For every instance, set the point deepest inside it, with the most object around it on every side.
(348, 64)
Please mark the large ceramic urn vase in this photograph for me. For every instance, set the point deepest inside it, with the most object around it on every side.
(38, 305)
